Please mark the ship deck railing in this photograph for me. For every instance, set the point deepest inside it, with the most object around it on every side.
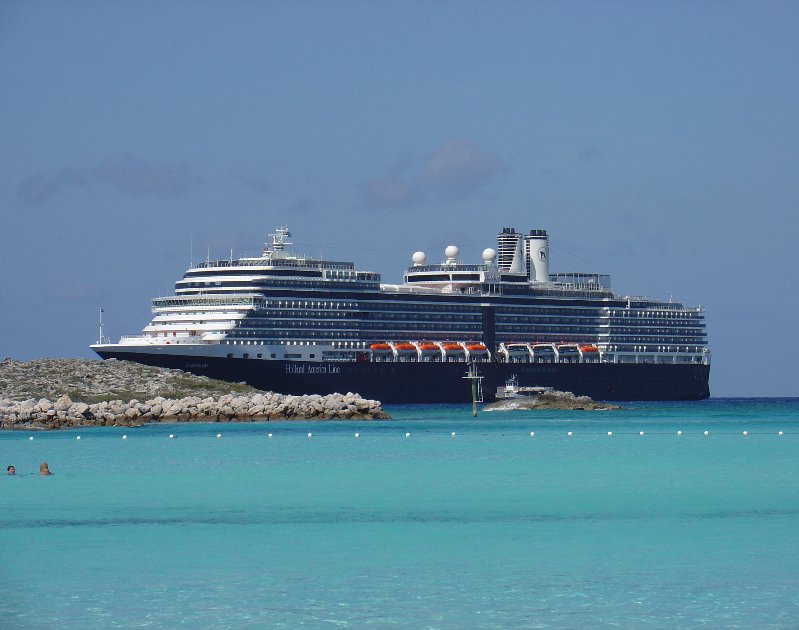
(275, 262)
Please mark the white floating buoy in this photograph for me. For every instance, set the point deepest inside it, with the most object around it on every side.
(357, 435)
(453, 434)
(570, 434)
(31, 437)
(707, 432)
(745, 433)
(779, 433)
(310, 435)
(532, 433)
(610, 432)
(679, 432)
(218, 435)
(77, 438)
(269, 436)
(124, 437)
(640, 433)
(171, 436)
(407, 435)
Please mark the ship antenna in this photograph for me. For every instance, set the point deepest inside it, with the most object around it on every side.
(279, 241)
(102, 336)
(279, 238)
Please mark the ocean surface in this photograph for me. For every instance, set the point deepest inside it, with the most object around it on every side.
(489, 528)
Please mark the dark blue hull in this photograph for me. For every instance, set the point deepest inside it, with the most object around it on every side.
(414, 382)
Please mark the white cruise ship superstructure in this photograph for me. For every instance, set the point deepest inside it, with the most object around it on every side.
(294, 324)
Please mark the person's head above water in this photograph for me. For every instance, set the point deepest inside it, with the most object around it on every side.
(11, 470)
(43, 469)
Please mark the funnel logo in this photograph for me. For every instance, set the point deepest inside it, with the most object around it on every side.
(542, 255)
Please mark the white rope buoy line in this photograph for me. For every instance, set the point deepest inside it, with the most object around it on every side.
(570, 433)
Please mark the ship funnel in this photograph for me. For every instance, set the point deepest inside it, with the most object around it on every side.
(536, 246)
(510, 255)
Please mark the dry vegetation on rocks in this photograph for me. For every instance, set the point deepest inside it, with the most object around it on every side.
(63, 393)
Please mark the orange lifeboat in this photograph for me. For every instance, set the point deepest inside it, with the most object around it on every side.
(588, 348)
(380, 347)
(476, 347)
(452, 347)
(405, 347)
(427, 346)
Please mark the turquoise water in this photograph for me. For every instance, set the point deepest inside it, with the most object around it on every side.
(491, 528)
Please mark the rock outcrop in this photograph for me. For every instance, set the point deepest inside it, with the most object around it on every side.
(549, 400)
(88, 393)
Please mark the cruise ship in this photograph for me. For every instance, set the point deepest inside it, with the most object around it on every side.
(298, 325)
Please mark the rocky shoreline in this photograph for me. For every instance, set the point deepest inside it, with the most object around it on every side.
(550, 400)
(66, 393)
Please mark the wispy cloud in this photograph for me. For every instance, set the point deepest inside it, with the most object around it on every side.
(452, 172)
(134, 176)
(126, 173)
(459, 168)
(257, 185)
(39, 188)
(303, 205)
(389, 192)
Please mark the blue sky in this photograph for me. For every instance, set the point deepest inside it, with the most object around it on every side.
(657, 142)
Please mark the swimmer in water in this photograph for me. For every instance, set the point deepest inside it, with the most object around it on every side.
(43, 469)
(11, 470)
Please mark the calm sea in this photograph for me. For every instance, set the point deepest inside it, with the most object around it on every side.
(491, 528)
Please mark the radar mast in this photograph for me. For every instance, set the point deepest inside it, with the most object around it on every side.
(277, 247)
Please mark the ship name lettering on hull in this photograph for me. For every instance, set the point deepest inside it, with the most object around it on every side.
(292, 368)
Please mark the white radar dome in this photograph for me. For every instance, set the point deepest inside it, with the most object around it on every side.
(451, 251)
(418, 258)
(489, 254)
